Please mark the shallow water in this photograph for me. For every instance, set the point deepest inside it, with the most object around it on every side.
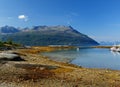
(90, 58)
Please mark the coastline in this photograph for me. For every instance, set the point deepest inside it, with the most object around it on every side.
(108, 47)
(39, 71)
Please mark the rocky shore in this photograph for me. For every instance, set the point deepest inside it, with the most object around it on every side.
(27, 68)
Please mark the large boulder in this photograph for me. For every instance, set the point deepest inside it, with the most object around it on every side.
(4, 56)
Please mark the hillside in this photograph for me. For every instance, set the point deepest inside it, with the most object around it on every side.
(49, 35)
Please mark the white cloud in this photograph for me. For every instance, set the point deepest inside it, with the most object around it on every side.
(70, 17)
(23, 17)
(74, 14)
(69, 22)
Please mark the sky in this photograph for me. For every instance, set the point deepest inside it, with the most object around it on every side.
(99, 19)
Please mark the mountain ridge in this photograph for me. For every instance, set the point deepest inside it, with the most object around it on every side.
(47, 35)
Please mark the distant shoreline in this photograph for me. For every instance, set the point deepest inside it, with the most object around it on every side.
(101, 46)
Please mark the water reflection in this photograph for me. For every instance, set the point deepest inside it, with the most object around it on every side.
(115, 53)
(78, 49)
(88, 57)
(62, 55)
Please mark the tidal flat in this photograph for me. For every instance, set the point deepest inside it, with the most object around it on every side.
(39, 71)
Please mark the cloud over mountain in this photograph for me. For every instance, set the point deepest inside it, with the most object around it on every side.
(23, 17)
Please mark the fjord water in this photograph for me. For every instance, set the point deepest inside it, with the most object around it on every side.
(89, 57)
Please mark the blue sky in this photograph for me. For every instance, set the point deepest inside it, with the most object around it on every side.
(99, 19)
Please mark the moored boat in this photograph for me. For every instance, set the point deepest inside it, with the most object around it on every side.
(115, 48)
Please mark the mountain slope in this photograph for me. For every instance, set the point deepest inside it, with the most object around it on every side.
(50, 35)
(8, 30)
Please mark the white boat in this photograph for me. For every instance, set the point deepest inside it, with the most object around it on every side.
(115, 48)
(118, 49)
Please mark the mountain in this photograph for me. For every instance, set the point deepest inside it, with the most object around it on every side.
(50, 35)
(8, 30)
(109, 43)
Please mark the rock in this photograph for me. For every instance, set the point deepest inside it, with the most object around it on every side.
(4, 56)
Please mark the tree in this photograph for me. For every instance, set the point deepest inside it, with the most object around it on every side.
(9, 42)
(1, 43)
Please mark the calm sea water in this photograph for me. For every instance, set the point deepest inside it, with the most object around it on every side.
(90, 58)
